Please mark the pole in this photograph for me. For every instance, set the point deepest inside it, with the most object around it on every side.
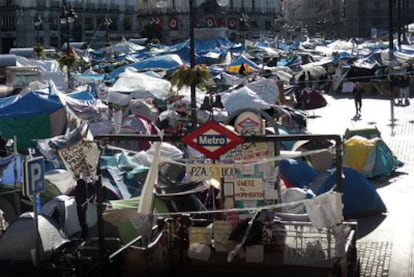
(16, 191)
(68, 52)
(37, 35)
(392, 108)
(390, 31)
(399, 22)
(192, 64)
(405, 21)
(36, 254)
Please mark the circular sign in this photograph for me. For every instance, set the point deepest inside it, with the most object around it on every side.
(248, 123)
(173, 23)
(210, 22)
(232, 23)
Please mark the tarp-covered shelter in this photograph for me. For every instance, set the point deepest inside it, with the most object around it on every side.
(131, 84)
(31, 116)
(163, 62)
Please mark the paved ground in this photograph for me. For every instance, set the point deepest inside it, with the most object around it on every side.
(386, 242)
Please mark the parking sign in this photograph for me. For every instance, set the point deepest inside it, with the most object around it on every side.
(34, 176)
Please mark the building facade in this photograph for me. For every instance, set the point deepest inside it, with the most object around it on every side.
(372, 18)
(128, 18)
(314, 17)
(347, 18)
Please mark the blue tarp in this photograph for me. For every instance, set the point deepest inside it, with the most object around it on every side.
(166, 62)
(32, 103)
(297, 172)
(244, 60)
(11, 170)
(360, 197)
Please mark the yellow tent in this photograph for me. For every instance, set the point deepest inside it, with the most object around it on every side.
(236, 68)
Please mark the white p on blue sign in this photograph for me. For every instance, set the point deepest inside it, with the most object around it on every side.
(34, 176)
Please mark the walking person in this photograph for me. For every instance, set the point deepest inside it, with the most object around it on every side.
(357, 93)
(395, 86)
(404, 86)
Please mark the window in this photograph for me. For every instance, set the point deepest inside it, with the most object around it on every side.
(268, 24)
(127, 24)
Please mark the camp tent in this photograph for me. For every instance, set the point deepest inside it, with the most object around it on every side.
(19, 239)
(248, 64)
(360, 197)
(308, 99)
(369, 156)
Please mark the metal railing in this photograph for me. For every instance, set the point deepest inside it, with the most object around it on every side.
(247, 139)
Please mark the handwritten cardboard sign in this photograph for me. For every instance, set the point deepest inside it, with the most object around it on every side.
(248, 189)
(81, 158)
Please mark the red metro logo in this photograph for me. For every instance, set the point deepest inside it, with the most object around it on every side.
(212, 139)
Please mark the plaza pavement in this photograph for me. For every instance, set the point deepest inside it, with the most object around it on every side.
(385, 242)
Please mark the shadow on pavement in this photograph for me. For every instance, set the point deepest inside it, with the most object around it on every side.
(381, 181)
(368, 224)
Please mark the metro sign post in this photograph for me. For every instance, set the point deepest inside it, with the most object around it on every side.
(212, 139)
(34, 183)
(34, 176)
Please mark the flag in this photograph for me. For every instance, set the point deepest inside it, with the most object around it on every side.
(147, 196)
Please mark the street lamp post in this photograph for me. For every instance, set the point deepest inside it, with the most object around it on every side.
(192, 64)
(193, 103)
(243, 21)
(38, 23)
(107, 22)
(390, 29)
(67, 17)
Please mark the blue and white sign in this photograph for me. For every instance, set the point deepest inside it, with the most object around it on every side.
(34, 176)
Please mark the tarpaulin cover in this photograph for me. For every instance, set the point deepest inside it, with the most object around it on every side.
(297, 172)
(165, 62)
(360, 197)
(28, 105)
(31, 116)
(11, 170)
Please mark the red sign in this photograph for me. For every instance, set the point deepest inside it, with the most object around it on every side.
(212, 139)
(210, 21)
(232, 23)
(158, 23)
(173, 23)
(220, 22)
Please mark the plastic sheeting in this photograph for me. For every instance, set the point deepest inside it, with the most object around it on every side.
(131, 84)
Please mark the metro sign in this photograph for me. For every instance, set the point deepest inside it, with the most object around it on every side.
(248, 123)
(34, 176)
(212, 139)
